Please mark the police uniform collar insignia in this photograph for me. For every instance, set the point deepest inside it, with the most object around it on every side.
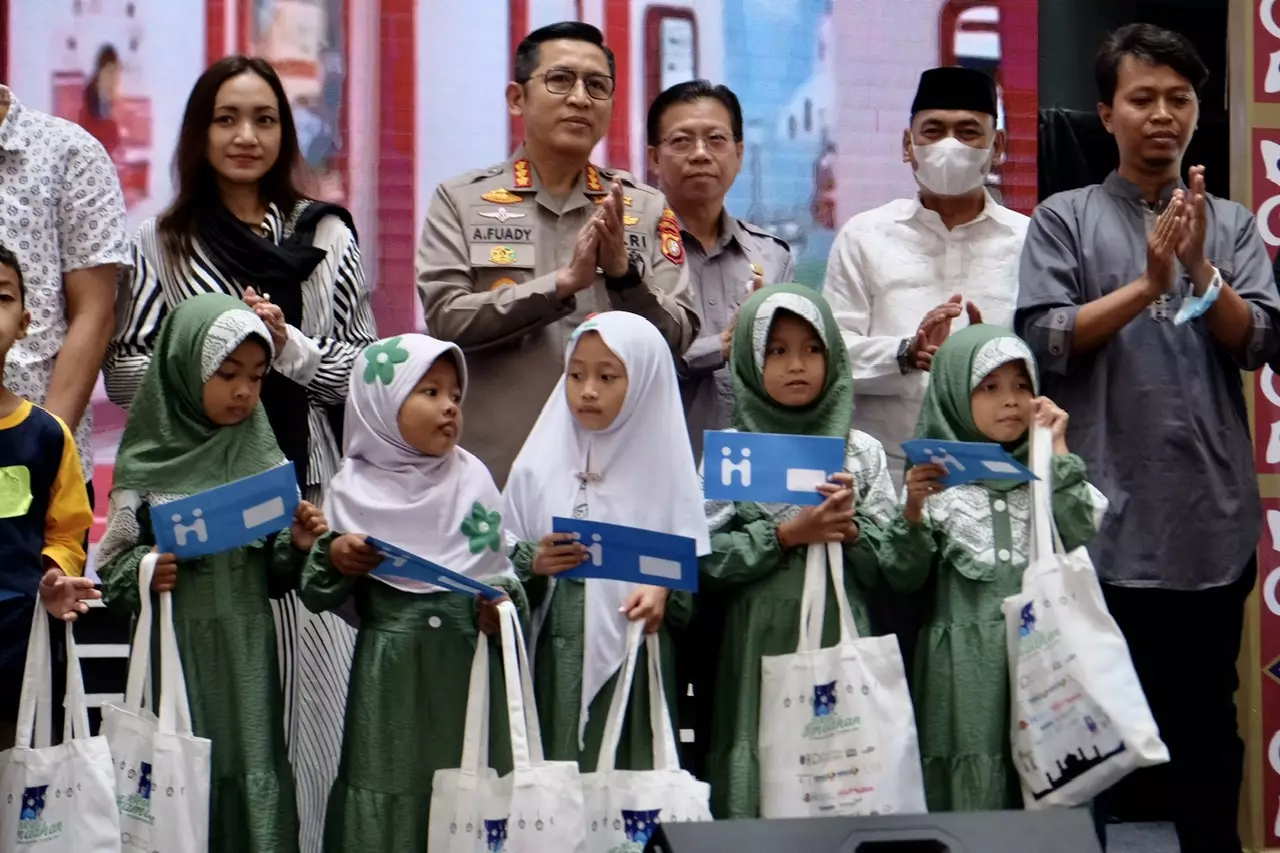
(524, 173)
(593, 179)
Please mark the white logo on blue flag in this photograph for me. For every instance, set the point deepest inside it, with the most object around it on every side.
(768, 468)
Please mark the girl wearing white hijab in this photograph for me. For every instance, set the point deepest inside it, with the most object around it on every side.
(405, 481)
(610, 446)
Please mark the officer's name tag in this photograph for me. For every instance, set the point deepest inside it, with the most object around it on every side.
(501, 234)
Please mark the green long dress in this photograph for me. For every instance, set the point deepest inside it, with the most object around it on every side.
(221, 603)
(406, 705)
(961, 667)
(969, 553)
(227, 639)
(557, 674)
(749, 578)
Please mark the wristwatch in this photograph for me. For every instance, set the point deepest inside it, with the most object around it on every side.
(904, 355)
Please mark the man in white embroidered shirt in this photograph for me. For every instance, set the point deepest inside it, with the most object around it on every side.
(62, 211)
(900, 274)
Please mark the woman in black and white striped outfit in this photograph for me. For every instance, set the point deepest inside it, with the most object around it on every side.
(240, 225)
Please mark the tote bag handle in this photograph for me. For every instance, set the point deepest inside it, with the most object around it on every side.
(175, 709)
(137, 694)
(1045, 541)
(522, 713)
(35, 703)
(665, 752)
(475, 738)
(813, 602)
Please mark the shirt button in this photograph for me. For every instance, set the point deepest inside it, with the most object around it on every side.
(1003, 554)
(999, 506)
(434, 622)
(711, 300)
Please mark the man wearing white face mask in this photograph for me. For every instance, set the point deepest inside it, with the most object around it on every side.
(900, 275)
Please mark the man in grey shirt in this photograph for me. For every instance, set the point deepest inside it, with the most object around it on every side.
(1144, 298)
(695, 147)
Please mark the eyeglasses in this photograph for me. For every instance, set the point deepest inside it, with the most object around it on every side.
(716, 142)
(561, 81)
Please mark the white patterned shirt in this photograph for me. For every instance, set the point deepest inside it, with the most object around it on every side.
(61, 209)
(891, 265)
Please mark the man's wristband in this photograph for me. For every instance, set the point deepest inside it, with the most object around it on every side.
(1195, 306)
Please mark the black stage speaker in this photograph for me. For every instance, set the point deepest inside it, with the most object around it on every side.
(1049, 831)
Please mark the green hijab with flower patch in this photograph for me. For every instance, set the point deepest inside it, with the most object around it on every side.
(170, 446)
(831, 412)
(959, 366)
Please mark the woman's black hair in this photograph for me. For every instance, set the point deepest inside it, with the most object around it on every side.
(194, 176)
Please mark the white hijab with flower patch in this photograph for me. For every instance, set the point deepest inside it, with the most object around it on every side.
(445, 509)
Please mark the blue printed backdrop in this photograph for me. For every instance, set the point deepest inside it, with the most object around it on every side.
(777, 59)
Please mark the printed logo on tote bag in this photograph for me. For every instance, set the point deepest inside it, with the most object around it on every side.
(826, 721)
(638, 827)
(138, 804)
(31, 826)
(495, 832)
(1030, 638)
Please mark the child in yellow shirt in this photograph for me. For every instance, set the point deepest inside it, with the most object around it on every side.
(44, 511)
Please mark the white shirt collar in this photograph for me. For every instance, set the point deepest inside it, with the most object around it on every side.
(991, 210)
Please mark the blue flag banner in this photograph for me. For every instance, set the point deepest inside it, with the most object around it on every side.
(630, 554)
(399, 563)
(967, 461)
(768, 468)
(227, 517)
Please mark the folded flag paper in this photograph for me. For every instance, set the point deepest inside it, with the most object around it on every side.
(631, 554)
(227, 517)
(967, 461)
(769, 468)
(402, 565)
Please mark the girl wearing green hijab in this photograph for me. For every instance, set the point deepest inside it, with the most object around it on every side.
(790, 375)
(196, 424)
(969, 545)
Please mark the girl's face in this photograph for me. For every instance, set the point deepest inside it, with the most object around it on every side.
(795, 362)
(244, 133)
(430, 419)
(595, 385)
(232, 393)
(1002, 403)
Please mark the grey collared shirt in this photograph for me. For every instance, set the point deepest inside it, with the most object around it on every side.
(720, 277)
(1158, 412)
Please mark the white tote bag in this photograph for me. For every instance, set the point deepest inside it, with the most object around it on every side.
(538, 805)
(162, 771)
(624, 806)
(55, 799)
(1080, 719)
(837, 728)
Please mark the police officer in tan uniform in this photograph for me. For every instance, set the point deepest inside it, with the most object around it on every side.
(695, 148)
(513, 258)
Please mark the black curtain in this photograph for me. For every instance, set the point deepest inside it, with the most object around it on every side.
(1075, 151)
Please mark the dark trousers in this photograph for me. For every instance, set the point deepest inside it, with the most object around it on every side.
(1184, 647)
(15, 625)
